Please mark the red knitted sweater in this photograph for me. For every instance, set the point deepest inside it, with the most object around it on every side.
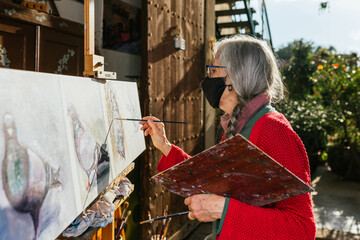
(288, 219)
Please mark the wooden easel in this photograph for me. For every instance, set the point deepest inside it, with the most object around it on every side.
(93, 64)
(108, 232)
(94, 68)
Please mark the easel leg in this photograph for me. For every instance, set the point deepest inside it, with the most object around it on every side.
(109, 232)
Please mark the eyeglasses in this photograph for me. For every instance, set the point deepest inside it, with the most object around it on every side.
(211, 69)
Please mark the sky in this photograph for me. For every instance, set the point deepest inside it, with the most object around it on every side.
(338, 26)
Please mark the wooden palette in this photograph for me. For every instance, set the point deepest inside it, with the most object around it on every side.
(234, 168)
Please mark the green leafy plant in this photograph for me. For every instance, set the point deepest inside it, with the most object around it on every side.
(308, 119)
(324, 106)
(337, 88)
(300, 58)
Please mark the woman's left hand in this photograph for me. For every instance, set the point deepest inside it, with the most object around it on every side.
(205, 207)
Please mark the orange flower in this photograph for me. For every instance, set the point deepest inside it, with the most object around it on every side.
(320, 67)
(336, 65)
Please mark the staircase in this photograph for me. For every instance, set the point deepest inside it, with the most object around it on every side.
(236, 16)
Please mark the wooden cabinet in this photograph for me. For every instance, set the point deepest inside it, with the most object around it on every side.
(17, 45)
(37, 41)
(60, 52)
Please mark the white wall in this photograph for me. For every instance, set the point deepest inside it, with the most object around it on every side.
(71, 10)
(121, 63)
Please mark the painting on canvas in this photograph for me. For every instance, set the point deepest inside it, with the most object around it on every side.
(36, 184)
(127, 139)
(85, 116)
(55, 156)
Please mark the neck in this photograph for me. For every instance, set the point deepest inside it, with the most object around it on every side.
(247, 111)
(229, 108)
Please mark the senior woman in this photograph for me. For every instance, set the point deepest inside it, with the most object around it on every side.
(243, 81)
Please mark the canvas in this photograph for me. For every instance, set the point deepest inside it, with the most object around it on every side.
(52, 135)
(126, 136)
(84, 113)
(36, 192)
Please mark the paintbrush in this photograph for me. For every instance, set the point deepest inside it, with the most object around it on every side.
(151, 225)
(156, 235)
(166, 228)
(142, 120)
(163, 225)
(126, 205)
(122, 225)
(164, 217)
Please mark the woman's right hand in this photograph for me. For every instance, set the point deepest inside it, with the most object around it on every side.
(157, 132)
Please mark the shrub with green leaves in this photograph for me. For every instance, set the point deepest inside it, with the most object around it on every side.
(337, 88)
(297, 72)
(309, 120)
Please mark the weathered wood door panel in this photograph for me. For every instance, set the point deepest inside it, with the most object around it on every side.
(170, 90)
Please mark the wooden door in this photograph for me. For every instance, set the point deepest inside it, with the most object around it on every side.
(170, 90)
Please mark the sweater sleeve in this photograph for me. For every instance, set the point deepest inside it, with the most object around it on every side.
(175, 156)
(291, 218)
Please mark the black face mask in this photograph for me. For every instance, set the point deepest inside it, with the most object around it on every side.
(213, 89)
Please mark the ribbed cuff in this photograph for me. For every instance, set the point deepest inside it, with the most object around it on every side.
(220, 223)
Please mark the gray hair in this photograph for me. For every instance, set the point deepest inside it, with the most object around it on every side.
(252, 68)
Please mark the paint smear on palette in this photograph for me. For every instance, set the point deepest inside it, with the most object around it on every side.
(240, 170)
